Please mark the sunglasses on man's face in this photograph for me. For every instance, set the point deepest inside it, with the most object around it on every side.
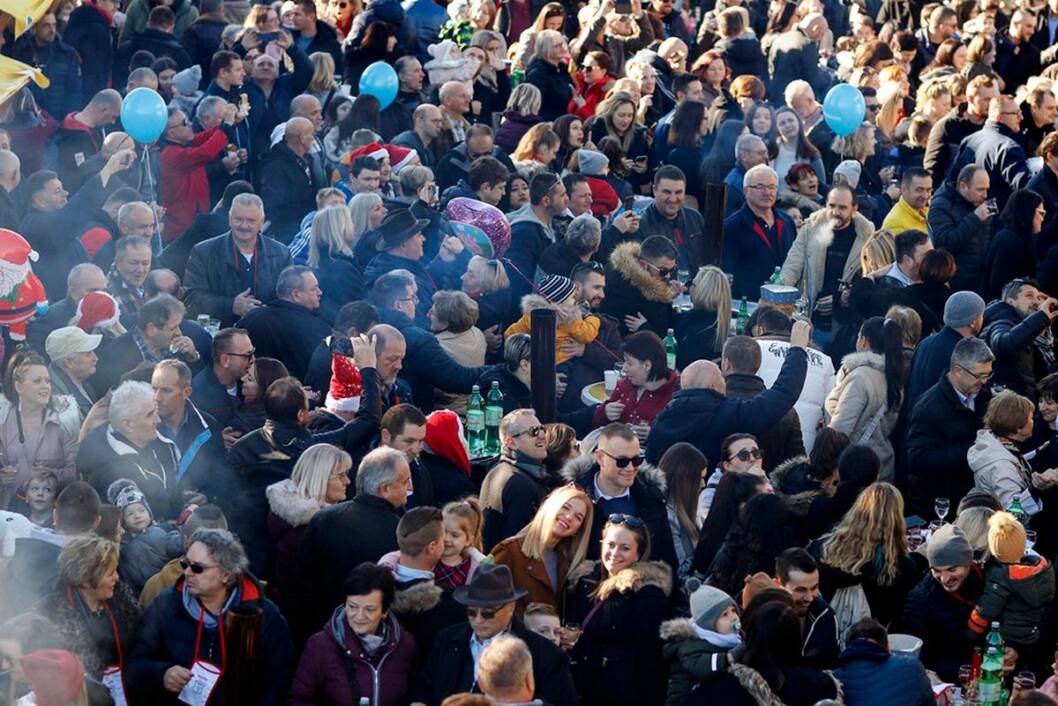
(625, 461)
(746, 454)
(531, 431)
(663, 272)
(484, 613)
(195, 567)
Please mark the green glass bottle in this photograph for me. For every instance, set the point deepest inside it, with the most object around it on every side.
(670, 350)
(493, 415)
(476, 423)
(743, 317)
(995, 638)
(991, 682)
(776, 277)
(1017, 510)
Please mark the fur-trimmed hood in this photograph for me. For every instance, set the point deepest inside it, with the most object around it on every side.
(417, 597)
(799, 500)
(636, 577)
(625, 260)
(863, 359)
(290, 506)
(565, 314)
(63, 411)
(678, 629)
(799, 200)
(581, 469)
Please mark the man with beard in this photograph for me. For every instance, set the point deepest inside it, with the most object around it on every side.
(590, 361)
(403, 428)
(826, 253)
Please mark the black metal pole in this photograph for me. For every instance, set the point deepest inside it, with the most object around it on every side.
(713, 213)
(542, 332)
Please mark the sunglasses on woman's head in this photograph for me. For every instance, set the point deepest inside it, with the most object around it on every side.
(625, 461)
(622, 519)
(195, 567)
(485, 613)
(746, 454)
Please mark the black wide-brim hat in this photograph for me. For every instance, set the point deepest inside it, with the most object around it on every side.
(491, 586)
(397, 227)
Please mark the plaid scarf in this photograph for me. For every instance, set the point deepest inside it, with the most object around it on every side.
(451, 577)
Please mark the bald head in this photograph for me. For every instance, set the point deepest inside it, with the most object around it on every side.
(703, 375)
(10, 170)
(116, 141)
(103, 109)
(299, 135)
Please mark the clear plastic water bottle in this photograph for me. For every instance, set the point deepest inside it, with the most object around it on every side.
(476, 423)
(493, 415)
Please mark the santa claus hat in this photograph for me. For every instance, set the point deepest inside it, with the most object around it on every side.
(97, 309)
(399, 157)
(346, 385)
(373, 150)
(444, 437)
(56, 676)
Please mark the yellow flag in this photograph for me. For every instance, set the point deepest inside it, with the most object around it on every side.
(14, 75)
(26, 12)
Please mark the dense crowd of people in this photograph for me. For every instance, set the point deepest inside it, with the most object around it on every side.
(280, 427)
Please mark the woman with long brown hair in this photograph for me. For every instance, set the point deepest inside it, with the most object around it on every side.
(868, 549)
(616, 118)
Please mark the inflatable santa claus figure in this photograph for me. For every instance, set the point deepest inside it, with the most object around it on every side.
(21, 293)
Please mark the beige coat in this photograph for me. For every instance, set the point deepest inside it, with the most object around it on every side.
(806, 262)
(858, 397)
(467, 348)
(55, 447)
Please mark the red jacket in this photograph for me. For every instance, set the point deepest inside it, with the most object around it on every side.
(604, 199)
(593, 95)
(184, 184)
(645, 409)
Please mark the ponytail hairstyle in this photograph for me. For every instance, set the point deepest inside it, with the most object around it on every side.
(886, 337)
(468, 513)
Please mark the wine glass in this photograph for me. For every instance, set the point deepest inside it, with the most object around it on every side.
(941, 507)
(1030, 539)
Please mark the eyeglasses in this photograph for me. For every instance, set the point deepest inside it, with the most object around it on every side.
(763, 187)
(746, 454)
(183, 123)
(248, 356)
(484, 613)
(980, 377)
(531, 431)
(621, 519)
(625, 461)
(874, 107)
(195, 567)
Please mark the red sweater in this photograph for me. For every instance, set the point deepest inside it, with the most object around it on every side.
(645, 409)
(593, 96)
(184, 184)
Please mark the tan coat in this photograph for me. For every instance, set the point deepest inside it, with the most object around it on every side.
(531, 574)
(855, 401)
(806, 263)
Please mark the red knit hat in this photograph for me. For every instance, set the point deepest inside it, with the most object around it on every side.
(346, 385)
(400, 157)
(56, 676)
(97, 309)
(444, 437)
(373, 150)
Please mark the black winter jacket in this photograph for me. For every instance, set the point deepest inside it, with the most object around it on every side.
(617, 660)
(105, 456)
(942, 147)
(166, 636)
(780, 442)
(632, 290)
(212, 277)
(932, 359)
(555, 84)
(939, 434)
(341, 280)
(954, 226)
(1018, 364)
(705, 417)
(648, 497)
(91, 36)
(450, 667)
(939, 618)
(286, 331)
(996, 148)
(510, 496)
(157, 42)
(1009, 256)
(287, 189)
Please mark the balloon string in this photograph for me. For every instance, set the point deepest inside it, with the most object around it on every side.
(156, 237)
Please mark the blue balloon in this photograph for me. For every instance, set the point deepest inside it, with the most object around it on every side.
(844, 108)
(143, 115)
(380, 80)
